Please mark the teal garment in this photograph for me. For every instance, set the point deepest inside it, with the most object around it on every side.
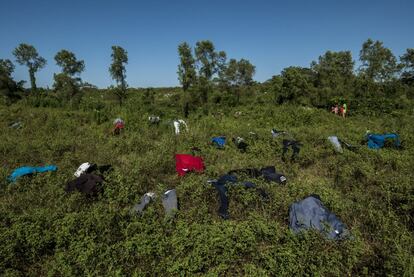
(377, 141)
(26, 170)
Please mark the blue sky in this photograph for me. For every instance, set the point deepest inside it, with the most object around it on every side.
(271, 34)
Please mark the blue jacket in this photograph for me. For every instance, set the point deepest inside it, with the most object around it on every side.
(219, 141)
(310, 213)
(377, 141)
(25, 170)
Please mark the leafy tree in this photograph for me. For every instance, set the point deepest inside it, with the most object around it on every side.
(334, 69)
(186, 68)
(230, 72)
(118, 72)
(6, 67)
(245, 72)
(273, 86)
(408, 64)
(66, 86)
(333, 77)
(8, 87)
(65, 82)
(378, 62)
(238, 75)
(206, 58)
(208, 63)
(296, 85)
(221, 65)
(27, 55)
(70, 65)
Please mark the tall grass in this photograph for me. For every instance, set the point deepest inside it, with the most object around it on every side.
(44, 231)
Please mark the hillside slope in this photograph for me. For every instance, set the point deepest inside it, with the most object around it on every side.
(45, 231)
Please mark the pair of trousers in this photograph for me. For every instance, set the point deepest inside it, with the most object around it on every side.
(295, 148)
(268, 173)
(169, 201)
(221, 186)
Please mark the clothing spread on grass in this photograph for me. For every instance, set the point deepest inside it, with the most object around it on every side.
(89, 168)
(310, 213)
(119, 124)
(232, 178)
(169, 202)
(377, 141)
(240, 143)
(268, 173)
(219, 142)
(82, 169)
(154, 119)
(28, 170)
(185, 163)
(294, 144)
(221, 186)
(88, 184)
(178, 124)
(339, 144)
(145, 200)
(336, 144)
(16, 125)
(276, 133)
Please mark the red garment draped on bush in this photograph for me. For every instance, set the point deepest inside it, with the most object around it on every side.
(119, 125)
(185, 163)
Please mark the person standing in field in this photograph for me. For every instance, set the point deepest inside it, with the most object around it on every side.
(344, 110)
(334, 109)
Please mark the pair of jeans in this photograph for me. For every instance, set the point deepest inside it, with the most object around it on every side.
(295, 148)
(221, 186)
(268, 173)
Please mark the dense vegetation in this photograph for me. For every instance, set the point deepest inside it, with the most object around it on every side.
(45, 231)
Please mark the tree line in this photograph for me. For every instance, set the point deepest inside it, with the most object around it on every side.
(334, 78)
(203, 71)
(67, 84)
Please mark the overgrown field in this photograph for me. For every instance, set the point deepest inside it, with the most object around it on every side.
(44, 231)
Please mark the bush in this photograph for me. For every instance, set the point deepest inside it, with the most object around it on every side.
(44, 231)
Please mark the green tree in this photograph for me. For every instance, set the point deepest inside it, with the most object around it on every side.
(8, 87)
(238, 75)
(378, 62)
(221, 65)
(333, 77)
(245, 72)
(206, 59)
(186, 69)
(272, 86)
(296, 85)
(6, 68)
(408, 65)
(27, 55)
(208, 63)
(118, 72)
(65, 86)
(65, 82)
(334, 69)
(70, 65)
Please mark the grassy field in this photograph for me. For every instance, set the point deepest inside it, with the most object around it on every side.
(44, 231)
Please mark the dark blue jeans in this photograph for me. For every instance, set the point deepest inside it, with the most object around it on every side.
(295, 148)
(221, 187)
(268, 173)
